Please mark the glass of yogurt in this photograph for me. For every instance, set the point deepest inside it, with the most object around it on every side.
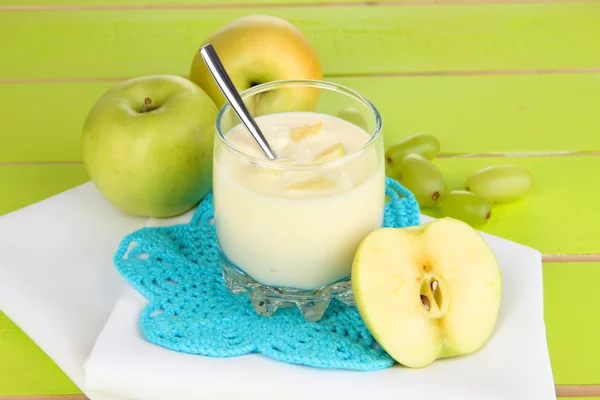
(288, 229)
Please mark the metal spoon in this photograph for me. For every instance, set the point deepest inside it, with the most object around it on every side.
(217, 70)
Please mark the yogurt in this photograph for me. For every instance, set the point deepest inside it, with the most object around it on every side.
(297, 222)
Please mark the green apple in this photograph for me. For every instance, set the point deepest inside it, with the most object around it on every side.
(147, 145)
(258, 49)
(427, 292)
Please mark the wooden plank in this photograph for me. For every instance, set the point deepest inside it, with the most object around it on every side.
(571, 328)
(572, 325)
(568, 308)
(24, 185)
(469, 114)
(349, 40)
(45, 397)
(487, 114)
(578, 391)
(566, 398)
(559, 391)
(558, 216)
(42, 122)
(571, 257)
(24, 368)
(70, 4)
(581, 391)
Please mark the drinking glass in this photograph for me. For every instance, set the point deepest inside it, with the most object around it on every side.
(279, 244)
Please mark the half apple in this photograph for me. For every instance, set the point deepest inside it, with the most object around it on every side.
(427, 292)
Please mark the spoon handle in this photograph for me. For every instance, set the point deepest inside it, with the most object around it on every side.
(216, 68)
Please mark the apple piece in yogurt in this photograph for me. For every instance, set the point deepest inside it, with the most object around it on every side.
(313, 183)
(302, 132)
(335, 151)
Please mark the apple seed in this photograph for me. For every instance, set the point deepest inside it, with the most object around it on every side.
(437, 297)
(434, 286)
(425, 301)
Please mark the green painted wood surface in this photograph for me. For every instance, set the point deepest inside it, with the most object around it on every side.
(182, 3)
(558, 216)
(572, 323)
(560, 202)
(349, 40)
(24, 368)
(470, 114)
(570, 329)
(24, 185)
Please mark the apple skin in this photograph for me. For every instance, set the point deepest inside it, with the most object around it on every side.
(151, 160)
(258, 49)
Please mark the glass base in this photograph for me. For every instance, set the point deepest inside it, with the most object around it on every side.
(267, 299)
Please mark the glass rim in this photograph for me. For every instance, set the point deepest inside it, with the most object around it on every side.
(321, 84)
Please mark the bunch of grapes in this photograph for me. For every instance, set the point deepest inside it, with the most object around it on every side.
(410, 161)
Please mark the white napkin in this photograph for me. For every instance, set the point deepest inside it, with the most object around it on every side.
(513, 365)
(57, 280)
(58, 283)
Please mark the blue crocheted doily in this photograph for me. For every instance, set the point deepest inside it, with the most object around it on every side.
(190, 310)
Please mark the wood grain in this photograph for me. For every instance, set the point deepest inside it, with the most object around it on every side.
(349, 40)
(483, 115)
(571, 257)
(578, 391)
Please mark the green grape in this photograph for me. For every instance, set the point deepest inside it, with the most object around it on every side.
(467, 207)
(421, 143)
(353, 116)
(389, 171)
(500, 183)
(422, 178)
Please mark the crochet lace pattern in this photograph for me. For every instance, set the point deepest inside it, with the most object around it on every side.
(190, 310)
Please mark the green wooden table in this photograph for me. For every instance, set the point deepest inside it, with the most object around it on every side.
(515, 81)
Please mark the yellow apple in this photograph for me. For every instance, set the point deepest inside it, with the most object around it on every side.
(427, 292)
(147, 145)
(258, 49)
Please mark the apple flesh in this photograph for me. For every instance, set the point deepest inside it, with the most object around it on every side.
(147, 145)
(427, 292)
(258, 49)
